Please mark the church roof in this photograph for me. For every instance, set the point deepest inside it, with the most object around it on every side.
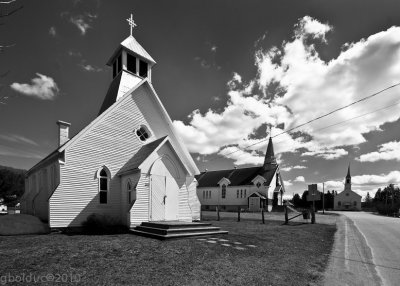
(144, 152)
(111, 93)
(133, 46)
(238, 177)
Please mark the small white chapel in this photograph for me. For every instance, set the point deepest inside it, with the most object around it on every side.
(347, 199)
(129, 163)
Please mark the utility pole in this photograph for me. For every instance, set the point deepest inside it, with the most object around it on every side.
(323, 198)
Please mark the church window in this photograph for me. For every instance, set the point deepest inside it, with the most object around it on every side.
(339, 203)
(347, 194)
(119, 63)
(245, 193)
(241, 193)
(223, 194)
(355, 203)
(103, 186)
(142, 68)
(131, 63)
(131, 189)
(143, 133)
(204, 194)
(209, 194)
(237, 194)
(258, 185)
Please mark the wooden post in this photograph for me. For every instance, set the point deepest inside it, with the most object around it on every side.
(238, 213)
(286, 216)
(313, 216)
(218, 213)
(262, 215)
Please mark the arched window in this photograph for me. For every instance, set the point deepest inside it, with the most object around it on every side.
(223, 191)
(143, 133)
(258, 184)
(244, 192)
(237, 194)
(103, 185)
(241, 193)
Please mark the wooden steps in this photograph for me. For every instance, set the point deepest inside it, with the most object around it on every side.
(175, 229)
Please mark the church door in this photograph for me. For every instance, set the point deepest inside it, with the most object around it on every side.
(158, 196)
(164, 190)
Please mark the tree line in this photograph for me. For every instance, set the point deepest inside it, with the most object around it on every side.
(386, 200)
(301, 202)
(12, 185)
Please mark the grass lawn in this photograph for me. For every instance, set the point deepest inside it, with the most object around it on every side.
(284, 255)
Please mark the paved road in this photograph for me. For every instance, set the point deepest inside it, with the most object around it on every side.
(383, 237)
(366, 250)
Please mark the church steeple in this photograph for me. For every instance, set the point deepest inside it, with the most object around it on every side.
(348, 178)
(130, 64)
(270, 160)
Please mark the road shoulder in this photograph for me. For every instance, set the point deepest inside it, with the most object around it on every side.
(351, 260)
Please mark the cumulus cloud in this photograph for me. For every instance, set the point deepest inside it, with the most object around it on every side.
(90, 68)
(386, 151)
(82, 21)
(294, 85)
(366, 181)
(289, 168)
(42, 87)
(300, 179)
(52, 31)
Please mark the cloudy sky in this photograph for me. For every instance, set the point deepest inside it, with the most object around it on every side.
(234, 67)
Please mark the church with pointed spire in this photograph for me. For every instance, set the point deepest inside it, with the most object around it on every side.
(251, 189)
(347, 199)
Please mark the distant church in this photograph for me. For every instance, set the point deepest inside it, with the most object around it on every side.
(348, 199)
(129, 163)
(251, 189)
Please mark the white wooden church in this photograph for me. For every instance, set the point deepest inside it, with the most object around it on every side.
(128, 163)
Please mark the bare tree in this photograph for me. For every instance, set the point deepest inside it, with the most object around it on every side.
(7, 8)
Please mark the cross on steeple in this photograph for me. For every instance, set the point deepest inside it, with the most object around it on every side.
(131, 23)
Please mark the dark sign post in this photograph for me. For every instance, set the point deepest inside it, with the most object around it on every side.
(313, 195)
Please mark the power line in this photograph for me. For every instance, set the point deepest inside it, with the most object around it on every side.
(322, 116)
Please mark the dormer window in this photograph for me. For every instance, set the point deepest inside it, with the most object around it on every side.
(143, 66)
(143, 133)
(131, 63)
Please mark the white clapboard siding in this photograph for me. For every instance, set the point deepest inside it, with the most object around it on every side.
(185, 213)
(194, 202)
(140, 209)
(109, 142)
